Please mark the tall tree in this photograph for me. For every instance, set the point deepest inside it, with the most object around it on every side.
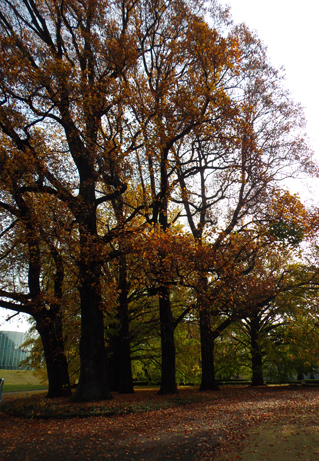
(228, 175)
(32, 265)
(61, 67)
(176, 88)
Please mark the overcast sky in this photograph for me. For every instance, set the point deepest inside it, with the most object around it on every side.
(289, 29)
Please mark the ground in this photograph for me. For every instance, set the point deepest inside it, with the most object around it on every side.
(277, 423)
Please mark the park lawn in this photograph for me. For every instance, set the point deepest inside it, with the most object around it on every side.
(20, 380)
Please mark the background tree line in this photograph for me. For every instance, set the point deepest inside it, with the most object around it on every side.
(143, 148)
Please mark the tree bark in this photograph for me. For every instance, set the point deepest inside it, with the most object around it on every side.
(119, 369)
(256, 355)
(92, 383)
(207, 349)
(168, 379)
(123, 349)
(50, 332)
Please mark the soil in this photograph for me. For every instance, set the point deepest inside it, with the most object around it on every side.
(277, 423)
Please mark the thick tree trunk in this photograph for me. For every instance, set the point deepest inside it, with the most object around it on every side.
(207, 350)
(50, 332)
(119, 369)
(92, 383)
(257, 369)
(118, 365)
(256, 355)
(168, 378)
(168, 375)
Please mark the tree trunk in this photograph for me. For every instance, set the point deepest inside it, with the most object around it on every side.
(206, 338)
(256, 355)
(207, 350)
(118, 365)
(50, 332)
(168, 378)
(123, 350)
(257, 368)
(120, 372)
(119, 369)
(48, 321)
(92, 383)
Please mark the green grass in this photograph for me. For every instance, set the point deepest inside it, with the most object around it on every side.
(20, 380)
(23, 387)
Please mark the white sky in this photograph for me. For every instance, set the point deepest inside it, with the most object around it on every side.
(18, 323)
(289, 29)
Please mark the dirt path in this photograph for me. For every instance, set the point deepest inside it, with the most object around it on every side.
(247, 424)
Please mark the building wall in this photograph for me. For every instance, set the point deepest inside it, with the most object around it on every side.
(11, 352)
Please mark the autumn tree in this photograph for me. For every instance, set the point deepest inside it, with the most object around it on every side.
(278, 338)
(266, 295)
(32, 264)
(177, 91)
(228, 175)
(295, 354)
(264, 316)
(62, 67)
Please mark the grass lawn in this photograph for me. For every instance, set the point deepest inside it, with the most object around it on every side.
(20, 380)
